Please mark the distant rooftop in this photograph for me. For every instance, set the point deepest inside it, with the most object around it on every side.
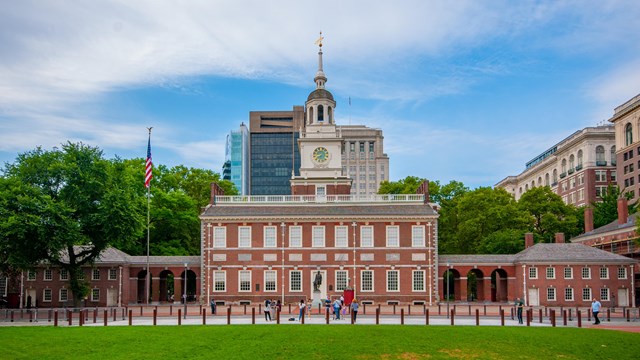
(263, 200)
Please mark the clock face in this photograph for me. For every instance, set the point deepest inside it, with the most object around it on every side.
(320, 154)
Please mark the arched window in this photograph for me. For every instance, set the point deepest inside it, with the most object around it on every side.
(320, 113)
(539, 181)
(330, 114)
(628, 134)
(571, 162)
(310, 120)
(533, 184)
(613, 155)
(526, 187)
(520, 190)
(600, 161)
(579, 157)
(555, 176)
(546, 179)
(564, 166)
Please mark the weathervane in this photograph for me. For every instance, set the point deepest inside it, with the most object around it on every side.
(319, 41)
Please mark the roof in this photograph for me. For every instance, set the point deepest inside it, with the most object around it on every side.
(319, 210)
(169, 260)
(320, 94)
(476, 259)
(567, 252)
(612, 226)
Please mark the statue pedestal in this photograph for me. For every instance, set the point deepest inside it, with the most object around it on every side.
(317, 298)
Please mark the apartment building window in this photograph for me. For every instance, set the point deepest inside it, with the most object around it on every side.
(47, 295)
(604, 294)
(568, 273)
(366, 236)
(341, 280)
(367, 280)
(604, 273)
(95, 294)
(581, 179)
(600, 155)
(270, 280)
(586, 273)
(551, 294)
(48, 275)
(418, 280)
(601, 191)
(551, 273)
(113, 274)
(586, 294)
(219, 237)
(393, 281)
(393, 236)
(371, 147)
(295, 280)
(628, 135)
(244, 279)
(533, 273)
(270, 236)
(219, 281)
(601, 175)
(568, 294)
(317, 236)
(622, 273)
(352, 147)
(614, 177)
(341, 236)
(362, 147)
(244, 236)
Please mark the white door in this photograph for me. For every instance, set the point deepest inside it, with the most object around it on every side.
(533, 297)
(623, 297)
(112, 297)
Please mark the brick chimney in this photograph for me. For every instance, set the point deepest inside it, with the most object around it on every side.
(588, 219)
(623, 211)
(559, 238)
(528, 240)
(424, 189)
(215, 191)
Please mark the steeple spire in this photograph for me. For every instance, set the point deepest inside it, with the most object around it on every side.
(320, 78)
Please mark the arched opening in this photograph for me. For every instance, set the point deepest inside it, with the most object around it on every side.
(539, 181)
(571, 162)
(628, 134)
(451, 285)
(613, 155)
(167, 289)
(320, 113)
(142, 284)
(564, 166)
(600, 161)
(475, 285)
(546, 179)
(580, 158)
(190, 280)
(499, 286)
(555, 176)
(310, 115)
(330, 114)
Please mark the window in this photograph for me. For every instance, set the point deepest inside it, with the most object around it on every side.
(533, 273)
(352, 147)
(95, 294)
(622, 273)
(48, 275)
(417, 236)
(568, 294)
(244, 236)
(614, 177)
(418, 280)
(601, 191)
(392, 280)
(219, 237)
(95, 274)
(628, 134)
(295, 236)
(604, 273)
(362, 146)
(3, 286)
(295, 280)
(318, 236)
(31, 275)
(341, 280)
(270, 236)
(270, 280)
(367, 280)
(586, 294)
(64, 274)
(341, 236)
(586, 273)
(244, 279)
(370, 146)
(63, 295)
(551, 294)
(113, 274)
(551, 273)
(46, 295)
(366, 236)
(568, 273)
(604, 294)
(219, 280)
(393, 236)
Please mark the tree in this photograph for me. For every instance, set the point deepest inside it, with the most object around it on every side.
(408, 185)
(549, 213)
(66, 206)
(606, 211)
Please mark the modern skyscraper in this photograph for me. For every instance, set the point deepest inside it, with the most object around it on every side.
(236, 164)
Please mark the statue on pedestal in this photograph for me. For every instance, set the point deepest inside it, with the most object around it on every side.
(317, 281)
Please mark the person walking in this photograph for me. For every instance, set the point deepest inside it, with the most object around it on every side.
(519, 307)
(354, 309)
(301, 306)
(336, 309)
(595, 309)
(267, 310)
(213, 306)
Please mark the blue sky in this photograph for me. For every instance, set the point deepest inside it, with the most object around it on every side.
(464, 90)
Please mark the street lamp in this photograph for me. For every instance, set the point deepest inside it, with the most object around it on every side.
(184, 291)
(354, 225)
(283, 226)
(448, 275)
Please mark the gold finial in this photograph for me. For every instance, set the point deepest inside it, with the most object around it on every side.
(319, 41)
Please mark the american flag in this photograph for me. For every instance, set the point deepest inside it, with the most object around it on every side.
(149, 166)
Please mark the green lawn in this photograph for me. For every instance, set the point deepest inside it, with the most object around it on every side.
(315, 342)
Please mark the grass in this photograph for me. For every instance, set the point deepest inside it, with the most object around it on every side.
(315, 342)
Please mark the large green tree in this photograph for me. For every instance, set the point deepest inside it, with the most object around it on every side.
(606, 211)
(549, 214)
(64, 207)
(408, 185)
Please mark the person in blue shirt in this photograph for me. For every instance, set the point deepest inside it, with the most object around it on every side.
(336, 309)
(354, 309)
(595, 309)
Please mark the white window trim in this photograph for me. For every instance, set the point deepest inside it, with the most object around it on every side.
(240, 272)
(582, 273)
(373, 281)
(291, 272)
(115, 272)
(219, 239)
(551, 270)
(44, 275)
(398, 280)
(346, 279)
(268, 229)
(60, 294)
(587, 298)
(298, 230)
(420, 239)
(64, 271)
(93, 275)
(390, 229)
(44, 297)
(564, 271)
(339, 229)
(606, 270)
(625, 273)
(242, 229)
(320, 241)
(275, 278)
(93, 292)
(572, 294)
(555, 294)
(362, 230)
(535, 270)
(213, 278)
(413, 281)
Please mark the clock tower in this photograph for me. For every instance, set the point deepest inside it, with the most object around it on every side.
(320, 144)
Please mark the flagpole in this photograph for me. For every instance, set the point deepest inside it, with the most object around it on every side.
(148, 185)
